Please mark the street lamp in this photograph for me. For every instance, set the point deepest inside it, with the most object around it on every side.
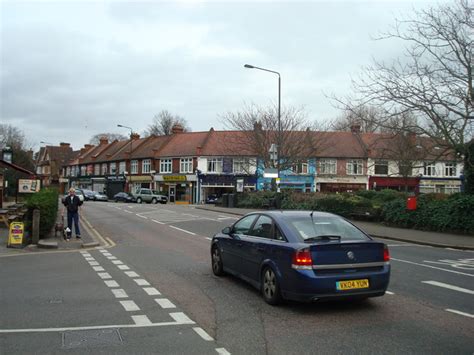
(130, 157)
(248, 66)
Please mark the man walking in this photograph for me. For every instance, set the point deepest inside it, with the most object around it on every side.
(73, 204)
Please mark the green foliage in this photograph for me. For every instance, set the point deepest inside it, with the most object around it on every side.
(46, 201)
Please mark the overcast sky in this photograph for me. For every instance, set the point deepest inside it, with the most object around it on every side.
(70, 70)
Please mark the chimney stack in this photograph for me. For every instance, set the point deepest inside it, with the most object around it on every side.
(177, 128)
(355, 128)
(103, 140)
(63, 144)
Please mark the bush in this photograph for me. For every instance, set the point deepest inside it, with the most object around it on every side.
(46, 201)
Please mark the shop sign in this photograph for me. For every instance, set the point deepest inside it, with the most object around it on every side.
(174, 177)
(28, 186)
(240, 185)
(146, 178)
(15, 237)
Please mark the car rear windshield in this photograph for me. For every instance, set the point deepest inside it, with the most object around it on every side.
(320, 226)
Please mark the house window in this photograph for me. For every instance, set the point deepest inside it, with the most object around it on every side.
(214, 165)
(146, 166)
(97, 169)
(429, 169)
(354, 167)
(301, 168)
(186, 165)
(165, 166)
(241, 165)
(83, 170)
(381, 167)
(450, 169)
(122, 167)
(328, 166)
(104, 169)
(134, 167)
(113, 168)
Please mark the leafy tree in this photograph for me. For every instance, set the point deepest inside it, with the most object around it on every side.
(163, 123)
(95, 140)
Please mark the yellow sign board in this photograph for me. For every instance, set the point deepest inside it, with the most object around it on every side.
(15, 236)
(174, 177)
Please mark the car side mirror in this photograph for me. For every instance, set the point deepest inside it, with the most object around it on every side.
(227, 230)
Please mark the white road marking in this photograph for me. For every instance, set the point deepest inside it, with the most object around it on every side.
(112, 257)
(208, 238)
(128, 211)
(183, 230)
(103, 251)
(93, 263)
(107, 254)
(164, 303)
(104, 275)
(141, 320)
(451, 287)
(131, 274)
(98, 268)
(389, 293)
(139, 215)
(123, 267)
(130, 306)
(111, 283)
(222, 351)
(464, 264)
(142, 282)
(202, 333)
(432, 267)
(151, 291)
(460, 313)
(89, 258)
(119, 293)
(117, 262)
(154, 220)
(181, 318)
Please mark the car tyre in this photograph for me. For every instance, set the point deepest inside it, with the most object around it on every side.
(153, 201)
(139, 200)
(217, 265)
(270, 287)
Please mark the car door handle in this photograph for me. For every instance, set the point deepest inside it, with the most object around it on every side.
(239, 244)
(261, 249)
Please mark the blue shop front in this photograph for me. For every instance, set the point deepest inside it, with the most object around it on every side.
(301, 179)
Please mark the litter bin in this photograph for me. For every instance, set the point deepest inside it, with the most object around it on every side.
(411, 203)
(231, 203)
(225, 200)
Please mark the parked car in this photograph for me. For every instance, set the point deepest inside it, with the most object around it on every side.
(212, 198)
(149, 196)
(124, 197)
(79, 194)
(99, 196)
(302, 256)
(88, 194)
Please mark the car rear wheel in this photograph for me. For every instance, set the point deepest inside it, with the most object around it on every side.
(270, 287)
(139, 200)
(217, 266)
(153, 201)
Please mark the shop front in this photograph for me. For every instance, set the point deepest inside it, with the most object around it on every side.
(114, 184)
(341, 184)
(137, 182)
(440, 185)
(180, 189)
(301, 183)
(409, 184)
(81, 183)
(98, 184)
(218, 185)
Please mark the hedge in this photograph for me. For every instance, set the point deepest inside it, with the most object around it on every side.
(46, 201)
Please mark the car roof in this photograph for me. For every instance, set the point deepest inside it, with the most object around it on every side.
(280, 215)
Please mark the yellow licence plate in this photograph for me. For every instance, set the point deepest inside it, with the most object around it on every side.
(352, 284)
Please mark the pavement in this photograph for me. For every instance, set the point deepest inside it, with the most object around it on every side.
(378, 230)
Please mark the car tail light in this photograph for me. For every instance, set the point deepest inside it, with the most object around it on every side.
(386, 253)
(302, 260)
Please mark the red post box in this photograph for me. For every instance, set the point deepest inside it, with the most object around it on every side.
(411, 203)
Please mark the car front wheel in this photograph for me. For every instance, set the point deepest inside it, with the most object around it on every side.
(153, 201)
(217, 266)
(270, 287)
(139, 200)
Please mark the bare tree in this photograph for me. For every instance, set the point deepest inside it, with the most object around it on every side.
(12, 137)
(110, 137)
(433, 82)
(257, 133)
(163, 123)
(366, 117)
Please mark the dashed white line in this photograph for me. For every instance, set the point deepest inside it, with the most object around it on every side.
(93, 263)
(123, 267)
(117, 262)
(450, 287)
(119, 293)
(202, 333)
(112, 257)
(164, 303)
(389, 293)
(432, 267)
(107, 254)
(141, 320)
(154, 220)
(89, 258)
(182, 318)
(103, 251)
(183, 230)
(130, 306)
(460, 313)
(208, 238)
(104, 275)
(142, 282)
(222, 351)
(128, 211)
(151, 291)
(131, 274)
(98, 268)
(139, 215)
(111, 283)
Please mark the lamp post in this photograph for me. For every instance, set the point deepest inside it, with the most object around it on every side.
(130, 156)
(248, 66)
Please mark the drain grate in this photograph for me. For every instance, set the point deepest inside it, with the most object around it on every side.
(91, 338)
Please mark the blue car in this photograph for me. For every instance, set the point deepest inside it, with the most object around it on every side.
(303, 256)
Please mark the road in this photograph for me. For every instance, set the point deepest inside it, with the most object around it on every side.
(154, 292)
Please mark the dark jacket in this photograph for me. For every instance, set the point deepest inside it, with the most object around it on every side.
(72, 206)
